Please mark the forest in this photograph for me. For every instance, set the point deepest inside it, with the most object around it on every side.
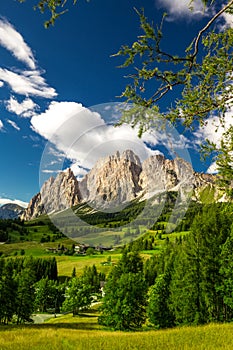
(188, 283)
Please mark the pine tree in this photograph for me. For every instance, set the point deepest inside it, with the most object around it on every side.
(186, 298)
(158, 309)
(25, 295)
(226, 271)
(195, 287)
(8, 292)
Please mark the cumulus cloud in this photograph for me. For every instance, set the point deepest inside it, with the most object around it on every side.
(25, 109)
(27, 83)
(213, 130)
(14, 42)
(13, 201)
(181, 8)
(13, 124)
(84, 137)
(228, 19)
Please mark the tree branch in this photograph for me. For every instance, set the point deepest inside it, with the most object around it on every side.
(196, 43)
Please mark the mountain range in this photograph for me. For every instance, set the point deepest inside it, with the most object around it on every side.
(120, 178)
(11, 211)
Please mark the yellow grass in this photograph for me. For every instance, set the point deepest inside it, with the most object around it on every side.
(65, 264)
(83, 334)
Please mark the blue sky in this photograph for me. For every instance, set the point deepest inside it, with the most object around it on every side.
(50, 78)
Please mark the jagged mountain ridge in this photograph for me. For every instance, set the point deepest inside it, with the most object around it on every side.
(117, 179)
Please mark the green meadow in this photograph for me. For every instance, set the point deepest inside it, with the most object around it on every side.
(83, 332)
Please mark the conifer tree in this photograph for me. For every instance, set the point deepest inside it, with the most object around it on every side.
(226, 271)
(25, 295)
(8, 292)
(158, 309)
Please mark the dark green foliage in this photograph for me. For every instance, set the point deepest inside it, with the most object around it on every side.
(198, 290)
(77, 295)
(125, 294)
(93, 277)
(226, 272)
(158, 310)
(151, 270)
(25, 295)
(48, 295)
(8, 293)
(12, 230)
(113, 220)
(18, 279)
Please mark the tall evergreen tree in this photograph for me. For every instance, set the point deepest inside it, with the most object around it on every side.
(158, 309)
(226, 272)
(25, 295)
(195, 286)
(46, 295)
(8, 292)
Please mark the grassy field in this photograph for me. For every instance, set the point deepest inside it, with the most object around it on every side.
(83, 332)
(66, 264)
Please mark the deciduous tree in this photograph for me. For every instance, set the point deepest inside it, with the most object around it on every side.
(77, 295)
(125, 294)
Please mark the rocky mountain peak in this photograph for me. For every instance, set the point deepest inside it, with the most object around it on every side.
(160, 174)
(56, 194)
(115, 180)
(10, 211)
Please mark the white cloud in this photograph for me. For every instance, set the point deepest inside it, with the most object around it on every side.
(181, 8)
(213, 130)
(13, 201)
(84, 137)
(13, 124)
(25, 109)
(48, 171)
(212, 168)
(27, 83)
(21, 81)
(1, 125)
(78, 171)
(228, 18)
(14, 42)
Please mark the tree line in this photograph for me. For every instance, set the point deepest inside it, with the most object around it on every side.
(189, 283)
(30, 285)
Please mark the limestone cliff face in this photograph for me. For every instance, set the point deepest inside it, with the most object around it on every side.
(34, 209)
(118, 179)
(113, 180)
(160, 174)
(56, 194)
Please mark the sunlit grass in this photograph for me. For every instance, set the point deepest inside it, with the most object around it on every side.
(82, 334)
(67, 263)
